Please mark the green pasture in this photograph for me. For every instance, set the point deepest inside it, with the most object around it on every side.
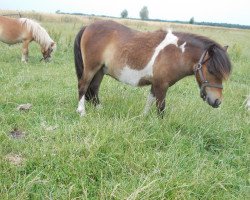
(195, 152)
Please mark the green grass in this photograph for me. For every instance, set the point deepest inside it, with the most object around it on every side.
(195, 152)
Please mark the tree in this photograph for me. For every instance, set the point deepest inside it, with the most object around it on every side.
(191, 21)
(144, 13)
(124, 13)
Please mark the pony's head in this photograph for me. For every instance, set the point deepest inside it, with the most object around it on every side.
(212, 69)
(47, 51)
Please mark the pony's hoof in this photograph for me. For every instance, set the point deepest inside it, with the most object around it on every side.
(81, 112)
(146, 112)
(99, 107)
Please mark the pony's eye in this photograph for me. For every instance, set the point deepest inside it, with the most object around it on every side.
(211, 72)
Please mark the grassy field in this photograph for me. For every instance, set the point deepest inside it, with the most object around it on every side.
(195, 152)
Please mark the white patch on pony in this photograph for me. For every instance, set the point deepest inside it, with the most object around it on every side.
(182, 47)
(170, 39)
(23, 58)
(38, 32)
(150, 100)
(133, 76)
(81, 106)
(99, 107)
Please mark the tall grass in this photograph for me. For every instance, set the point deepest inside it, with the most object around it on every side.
(195, 152)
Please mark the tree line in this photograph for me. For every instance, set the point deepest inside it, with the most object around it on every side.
(144, 15)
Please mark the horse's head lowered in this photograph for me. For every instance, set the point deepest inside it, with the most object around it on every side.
(213, 67)
(47, 52)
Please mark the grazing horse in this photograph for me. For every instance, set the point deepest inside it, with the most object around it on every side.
(159, 58)
(24, 30)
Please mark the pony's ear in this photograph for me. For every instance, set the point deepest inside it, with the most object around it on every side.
(211, 50)
(225, 48)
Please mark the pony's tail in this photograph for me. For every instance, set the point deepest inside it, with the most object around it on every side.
(78, 54)
(79, 62)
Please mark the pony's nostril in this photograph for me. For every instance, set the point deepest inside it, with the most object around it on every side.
(217, 102)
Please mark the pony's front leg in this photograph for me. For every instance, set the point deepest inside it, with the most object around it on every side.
(160, 94)
(25, 51)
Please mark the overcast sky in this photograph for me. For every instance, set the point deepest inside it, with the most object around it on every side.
(225, 11)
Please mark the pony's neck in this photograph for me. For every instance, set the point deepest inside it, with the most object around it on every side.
(39, 34)
(189, 63)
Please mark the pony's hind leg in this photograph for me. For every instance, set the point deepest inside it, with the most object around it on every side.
(83, 86)
(25, 51)
(93, 89)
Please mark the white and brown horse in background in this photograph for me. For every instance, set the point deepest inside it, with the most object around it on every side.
(159, 58)
(25, 30)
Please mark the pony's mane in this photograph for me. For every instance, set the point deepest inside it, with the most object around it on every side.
(219, 63)
(38, 32)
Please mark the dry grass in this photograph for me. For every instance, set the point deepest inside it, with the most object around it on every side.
(135, 23)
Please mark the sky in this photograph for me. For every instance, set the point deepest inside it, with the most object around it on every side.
(223, 11)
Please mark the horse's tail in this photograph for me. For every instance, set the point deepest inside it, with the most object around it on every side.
(79, 62)
(78, 54)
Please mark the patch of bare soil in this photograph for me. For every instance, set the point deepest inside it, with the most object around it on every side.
(15, 159)
(17, 134)
(24, 107)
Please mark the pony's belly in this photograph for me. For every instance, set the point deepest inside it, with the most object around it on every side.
(129, 76)
(8, 37)
(135, 77)
(8, 40)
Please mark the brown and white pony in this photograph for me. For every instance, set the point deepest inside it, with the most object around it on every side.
(25, 30)
(159, 58)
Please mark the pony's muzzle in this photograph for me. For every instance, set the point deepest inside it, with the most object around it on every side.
(47, 59)
(216, 103)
